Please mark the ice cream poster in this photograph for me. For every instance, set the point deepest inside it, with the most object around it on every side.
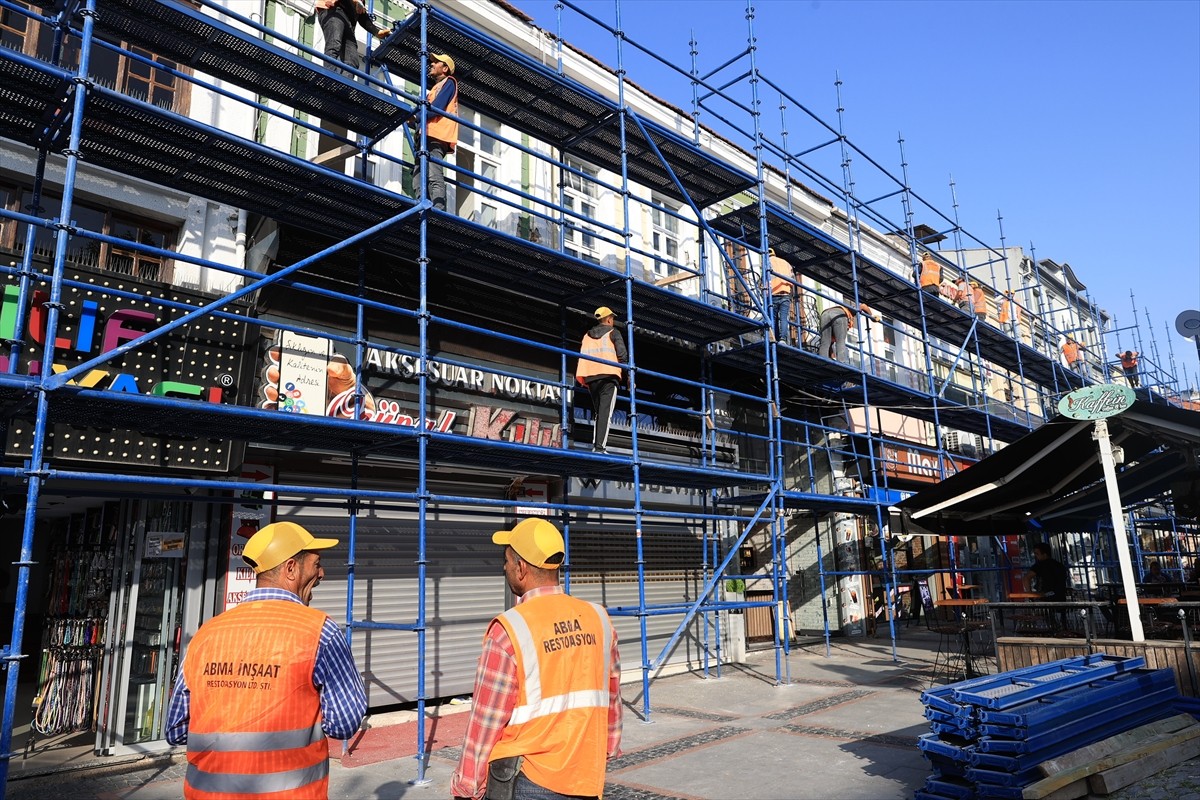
(304, 376)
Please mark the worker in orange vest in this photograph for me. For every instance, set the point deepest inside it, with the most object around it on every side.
(1006, 308)
(931, 273)
(962, 294)
(979, 301)
(263, 684)
(441, 131)
(603, 341)
(1129, 364)
(835, 329)
(1073, 354)
(546, 716)
(783, 290)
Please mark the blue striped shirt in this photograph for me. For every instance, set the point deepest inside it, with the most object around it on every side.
(343, 698)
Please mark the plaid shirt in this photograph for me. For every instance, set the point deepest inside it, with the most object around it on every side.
(496, 697)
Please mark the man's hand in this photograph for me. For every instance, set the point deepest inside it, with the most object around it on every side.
(383, 34)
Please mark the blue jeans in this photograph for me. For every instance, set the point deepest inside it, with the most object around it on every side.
(528, 790)
(437, 174)
(782, 305)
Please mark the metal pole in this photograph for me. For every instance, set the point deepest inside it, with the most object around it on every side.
(1119, 533)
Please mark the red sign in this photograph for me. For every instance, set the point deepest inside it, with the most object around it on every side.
(903, 463)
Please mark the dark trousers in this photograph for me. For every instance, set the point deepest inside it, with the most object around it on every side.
(603, 389)
(338, 28)
(835, 328)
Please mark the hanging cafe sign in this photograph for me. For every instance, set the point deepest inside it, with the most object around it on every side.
(1096, 402)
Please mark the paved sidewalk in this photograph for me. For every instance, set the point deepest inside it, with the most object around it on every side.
(845, 727)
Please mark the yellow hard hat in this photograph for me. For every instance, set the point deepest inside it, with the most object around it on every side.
(278, 542)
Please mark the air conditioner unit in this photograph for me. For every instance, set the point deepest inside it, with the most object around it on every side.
(950, 441)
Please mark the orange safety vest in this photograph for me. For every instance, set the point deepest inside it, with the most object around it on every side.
(560, 723)
(255, 725)
(1071, 352)
(1006, 310)
(780, 267)
(443, 129)
(931, 272)
(597, 348)
(980, 300)
(1129, 363)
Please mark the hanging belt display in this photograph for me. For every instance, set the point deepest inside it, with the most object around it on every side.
(81, 577)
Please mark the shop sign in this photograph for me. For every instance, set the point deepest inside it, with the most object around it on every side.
(249, 513)
(622, 492)
(306, 375)
(1096, 402)
(164, 545)
(197, 362)
(467, 379)
(905, 463)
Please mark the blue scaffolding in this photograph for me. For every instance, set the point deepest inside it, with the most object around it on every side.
(388, 260)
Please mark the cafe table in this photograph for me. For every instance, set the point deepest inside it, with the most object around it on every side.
(966, 624)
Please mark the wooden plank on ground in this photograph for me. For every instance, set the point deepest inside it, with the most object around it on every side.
(1121, 741)
(1110, 780)
(1111, 752)
(1071, 791)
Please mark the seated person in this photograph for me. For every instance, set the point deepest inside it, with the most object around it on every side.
(1156, 574)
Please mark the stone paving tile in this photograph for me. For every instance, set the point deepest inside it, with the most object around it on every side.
(695, 714)
(1181, 782)
(856, 736)
(615, 791)
(819, 705)
(672, 747)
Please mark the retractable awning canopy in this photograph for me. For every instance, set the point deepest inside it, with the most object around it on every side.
(1053, 476)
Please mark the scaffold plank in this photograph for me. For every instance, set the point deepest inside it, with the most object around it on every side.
(816, 255)
(508, 85)
(175, 31)
(176, 419)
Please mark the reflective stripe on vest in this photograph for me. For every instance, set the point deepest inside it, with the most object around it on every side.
(443, 129)
(563, 648)
(537, 706)
(597, 348)
(249, 785)
(254, 742)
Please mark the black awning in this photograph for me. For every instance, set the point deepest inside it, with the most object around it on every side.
(1053, 477)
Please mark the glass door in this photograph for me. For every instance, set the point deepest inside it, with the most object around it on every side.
(145, 643)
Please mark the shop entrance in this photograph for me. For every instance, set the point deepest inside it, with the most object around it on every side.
(102, 629)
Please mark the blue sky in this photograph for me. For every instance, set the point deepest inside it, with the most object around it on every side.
(1079, 122)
